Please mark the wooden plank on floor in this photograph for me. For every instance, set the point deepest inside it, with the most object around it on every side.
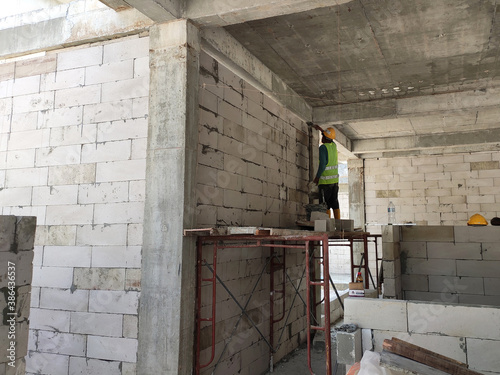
(391, 360)
(411, 346)
(426, 357)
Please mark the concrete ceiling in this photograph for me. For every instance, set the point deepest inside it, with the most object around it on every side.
(395, 77)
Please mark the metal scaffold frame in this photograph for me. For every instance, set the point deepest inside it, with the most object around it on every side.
(309, 243)
(304, 242)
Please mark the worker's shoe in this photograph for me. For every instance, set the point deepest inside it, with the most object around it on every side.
(336, 213)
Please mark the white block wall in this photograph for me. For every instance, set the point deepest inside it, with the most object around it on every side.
(73, 128)
(433, 190)
(469, 334)
(453, 264)
(252, 171)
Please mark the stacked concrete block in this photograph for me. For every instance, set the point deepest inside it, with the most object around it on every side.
(252, 171)
(17, 236)
(253, 154)
(453, 264)
(433, 190)
(468, 334)
(349, 347)
(75, 157)
(391, 264)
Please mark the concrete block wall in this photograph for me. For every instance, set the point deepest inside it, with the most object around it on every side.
(73, 146)
(17, 235)
(253, 155)
(433, 189)
(252, 171)
(452, 264)
(469, 334)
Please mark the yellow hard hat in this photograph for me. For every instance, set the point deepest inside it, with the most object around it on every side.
(329, 133)
(477, 220)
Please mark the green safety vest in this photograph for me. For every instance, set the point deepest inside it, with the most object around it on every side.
(331, 173)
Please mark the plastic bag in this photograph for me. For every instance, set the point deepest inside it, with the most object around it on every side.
(370, 365)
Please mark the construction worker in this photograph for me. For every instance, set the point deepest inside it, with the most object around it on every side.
(327, 177)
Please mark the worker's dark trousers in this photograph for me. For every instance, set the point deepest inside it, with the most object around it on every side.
(330, 194)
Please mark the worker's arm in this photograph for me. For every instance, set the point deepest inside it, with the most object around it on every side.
(323, 161)
(317, 127)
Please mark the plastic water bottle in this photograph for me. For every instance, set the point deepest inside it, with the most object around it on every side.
(391, 213)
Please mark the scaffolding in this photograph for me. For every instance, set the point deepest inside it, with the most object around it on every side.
(315, 246)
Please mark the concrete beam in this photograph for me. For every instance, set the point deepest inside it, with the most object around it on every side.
(168, 278)
(223, 13)
(228, 51)
(220, 12)
(408, 107)
(481, 140)
(158, 10)
(100, 24)
(373, 110)
(117, 5)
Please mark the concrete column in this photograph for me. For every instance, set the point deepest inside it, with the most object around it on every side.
(166, 311)
(356, 172)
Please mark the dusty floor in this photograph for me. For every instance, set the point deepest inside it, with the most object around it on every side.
(296, 362)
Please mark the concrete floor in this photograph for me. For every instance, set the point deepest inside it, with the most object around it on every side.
(296, 362)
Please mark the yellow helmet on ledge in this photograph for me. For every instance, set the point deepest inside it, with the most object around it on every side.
(477, 220)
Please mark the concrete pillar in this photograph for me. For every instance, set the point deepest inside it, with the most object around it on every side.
(356, 172)
(166, 311)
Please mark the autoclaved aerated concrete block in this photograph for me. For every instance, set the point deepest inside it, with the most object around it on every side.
(26, 85)
(415, 283)
(483, 355)
(452, 284)
(414, 249)
(391, 250)
(457, 250)
(476, 299)
(428, 233)
(112, 348)
(97, 324)
(391, 233)
(391, 269)
(453, 320)
(376, 313)
(443, 267)
(477, 234)
(81, 365)
(349, 347)
(478, 268)
(79, 58)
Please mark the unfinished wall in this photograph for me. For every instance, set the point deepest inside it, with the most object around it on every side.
(252, 171)
(467, 334)
(434, 189)
(73, 145)
(17, 235)
(452, 264)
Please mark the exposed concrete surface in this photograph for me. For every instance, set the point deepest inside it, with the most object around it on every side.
(223, 47)
(168, 258)
(375, 70)
(378, 70)
(69, 29)
(236, 11)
